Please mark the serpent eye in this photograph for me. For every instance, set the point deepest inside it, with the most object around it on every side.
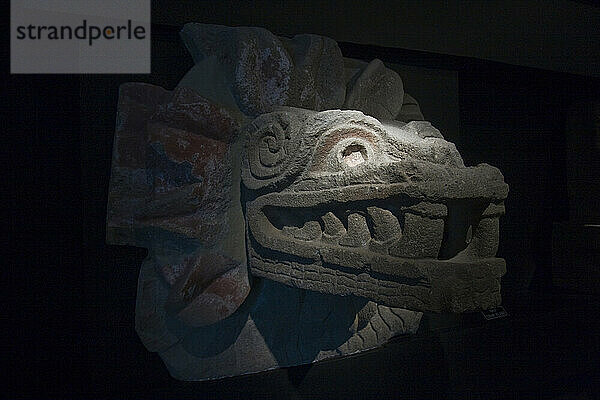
(346, 148)
(352, 152)
(353, 155)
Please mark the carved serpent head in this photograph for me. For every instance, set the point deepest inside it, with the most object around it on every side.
(342, 203)
(279, 159)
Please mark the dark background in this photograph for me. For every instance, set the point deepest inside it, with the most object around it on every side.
(71, 330)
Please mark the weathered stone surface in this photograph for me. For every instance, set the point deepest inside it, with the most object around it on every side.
(277, 326)
(317, 81)
(169, 171)
(423, 129)
(352, 226)
(410, 110)
(171, 191)
(190, 288)
(257, 66)
(264, 71)
(376, 91)
(211, 288)
(422, 237)
(390, 223)
(187, 110)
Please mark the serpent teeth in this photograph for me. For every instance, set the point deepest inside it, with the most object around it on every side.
(333, 225)
(422, 237)
(386, 227)
(358, 232)
(310, 231)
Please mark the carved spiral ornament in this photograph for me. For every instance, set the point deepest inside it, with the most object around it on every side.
(272, 151)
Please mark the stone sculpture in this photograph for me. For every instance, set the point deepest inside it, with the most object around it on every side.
(295, 207)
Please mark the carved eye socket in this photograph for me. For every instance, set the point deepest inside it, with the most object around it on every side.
(346, 149)
(353, 155)
(352, 152)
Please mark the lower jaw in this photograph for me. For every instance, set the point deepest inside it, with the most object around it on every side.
(443, 277)
(446, 285)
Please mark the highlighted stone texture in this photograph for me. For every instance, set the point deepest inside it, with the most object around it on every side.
(284, 228)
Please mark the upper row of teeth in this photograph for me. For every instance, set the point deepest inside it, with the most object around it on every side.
(385, 229)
